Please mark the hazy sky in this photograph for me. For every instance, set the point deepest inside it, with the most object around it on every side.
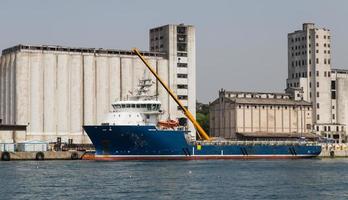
(241, 45)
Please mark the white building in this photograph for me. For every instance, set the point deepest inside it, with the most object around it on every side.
(311, 76)
(55, 90)
(179, 44)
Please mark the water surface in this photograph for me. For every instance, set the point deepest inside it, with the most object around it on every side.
(224, 179)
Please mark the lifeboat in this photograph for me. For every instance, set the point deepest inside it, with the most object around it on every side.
(168, 124)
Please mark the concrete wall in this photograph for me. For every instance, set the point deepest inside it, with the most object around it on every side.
(57, 92)
(342, 101)
(227, 118)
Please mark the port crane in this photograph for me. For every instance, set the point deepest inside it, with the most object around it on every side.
(187, 113)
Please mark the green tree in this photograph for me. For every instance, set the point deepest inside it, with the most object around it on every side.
(202, 115)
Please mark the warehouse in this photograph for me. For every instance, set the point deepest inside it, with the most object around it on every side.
(54, 90)
(253, 115)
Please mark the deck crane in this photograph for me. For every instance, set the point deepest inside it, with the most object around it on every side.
(188, 114)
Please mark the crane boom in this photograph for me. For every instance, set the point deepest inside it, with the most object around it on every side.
(188, 114)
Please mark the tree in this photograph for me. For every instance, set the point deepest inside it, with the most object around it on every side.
(202, 115)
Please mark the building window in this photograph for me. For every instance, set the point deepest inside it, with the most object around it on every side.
(182, 54)
(317, 51)
(179, 108)
(181, 30)
(324, 74)
(328, 74)
(317, 128)
(310, 84)
(182, 75)
(310, 62)
(182, 86)
(182, 97)
(325, 61)
(333, 94)
(317, 84)
(317, 73)
(333, 85)
(318, 105)
(325, 129)
(317, 44)
(317, 94)
(182, 64)
(182, 46)
(333, 116)
(318, 117)
(328, 61)
(317, 60)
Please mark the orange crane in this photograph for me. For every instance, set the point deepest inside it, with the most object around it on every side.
(188, 114)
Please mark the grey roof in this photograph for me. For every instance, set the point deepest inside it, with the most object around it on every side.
(278, 135)
(340, 71)
(269, 101)
(258, 93)
(79, 50)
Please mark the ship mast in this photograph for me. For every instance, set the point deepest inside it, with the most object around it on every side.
(188, 114)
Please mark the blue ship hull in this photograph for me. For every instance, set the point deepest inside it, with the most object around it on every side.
(149, 143)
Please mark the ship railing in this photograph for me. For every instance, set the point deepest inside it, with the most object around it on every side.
(257, 142)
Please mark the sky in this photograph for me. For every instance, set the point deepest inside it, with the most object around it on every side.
(240, 45)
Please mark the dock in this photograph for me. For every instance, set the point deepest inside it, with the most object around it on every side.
(47, 155)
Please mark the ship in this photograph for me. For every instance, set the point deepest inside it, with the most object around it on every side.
(133, 131)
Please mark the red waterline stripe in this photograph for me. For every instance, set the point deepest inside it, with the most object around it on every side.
(200, 157)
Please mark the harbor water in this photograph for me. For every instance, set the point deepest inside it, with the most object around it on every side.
(222, 179)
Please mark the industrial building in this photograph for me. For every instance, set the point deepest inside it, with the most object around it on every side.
(311, 75)
(54, 90)
(311, 83)
(255, 115)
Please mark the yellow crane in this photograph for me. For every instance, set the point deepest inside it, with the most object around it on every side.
(188, 114)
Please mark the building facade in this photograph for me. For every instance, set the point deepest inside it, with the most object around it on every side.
(178, 42)
(252, 115)
(55, 90)
(311, 75)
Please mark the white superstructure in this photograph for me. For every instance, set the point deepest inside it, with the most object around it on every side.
(140, 109)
